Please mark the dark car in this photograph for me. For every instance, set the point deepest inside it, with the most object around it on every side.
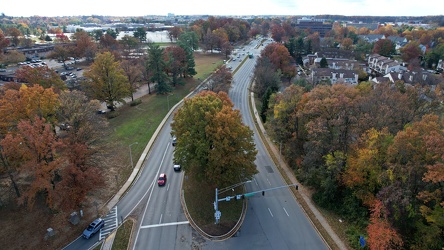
(93, 228)
(174, 141)
(176, 167)
(162, 179)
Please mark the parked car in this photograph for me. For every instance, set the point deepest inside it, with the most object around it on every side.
(93, 228)
(162, 179)
(177, 167)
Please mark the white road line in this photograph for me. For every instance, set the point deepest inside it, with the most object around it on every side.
(269, 181)
(168, 187)
(166, 224)
(286, 212)
(270, 212)
(160, 221)
(151, 194)
(256, 182)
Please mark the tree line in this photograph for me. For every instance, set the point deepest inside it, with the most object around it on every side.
(373, 155)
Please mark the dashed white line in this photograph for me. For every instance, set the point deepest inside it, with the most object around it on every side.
(270, 212)
(286, 212)
(256, 182)
(269, 181)
(168, 187)
(160, 221)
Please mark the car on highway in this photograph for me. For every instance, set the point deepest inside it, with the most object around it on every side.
(174, 141)
(162, 179)
(176, 167)
(93, 228)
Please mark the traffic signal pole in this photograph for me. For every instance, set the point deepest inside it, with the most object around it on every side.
(217, 213)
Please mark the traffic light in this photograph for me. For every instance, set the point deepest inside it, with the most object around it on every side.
(263, 193)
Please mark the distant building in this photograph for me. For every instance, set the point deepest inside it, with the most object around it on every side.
(314, 25)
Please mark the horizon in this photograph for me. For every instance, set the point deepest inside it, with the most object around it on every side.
(132, 8)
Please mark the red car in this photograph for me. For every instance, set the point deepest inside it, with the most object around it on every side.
(162, 180)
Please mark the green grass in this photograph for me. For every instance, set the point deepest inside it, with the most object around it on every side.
(199, 198)
(138, 123)
(121, 241)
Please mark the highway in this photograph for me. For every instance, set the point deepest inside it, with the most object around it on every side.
(273, 221)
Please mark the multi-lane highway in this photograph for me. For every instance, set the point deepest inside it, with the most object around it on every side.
(273, 221)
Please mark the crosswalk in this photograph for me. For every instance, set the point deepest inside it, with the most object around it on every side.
(111, 223)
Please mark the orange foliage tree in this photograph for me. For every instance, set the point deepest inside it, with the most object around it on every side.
(381, 235)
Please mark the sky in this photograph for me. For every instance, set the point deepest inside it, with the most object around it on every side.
(26, 8)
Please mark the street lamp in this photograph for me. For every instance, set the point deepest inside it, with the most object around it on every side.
(131, 155)
(168, 101)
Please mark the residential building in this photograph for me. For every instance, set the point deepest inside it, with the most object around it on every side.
(334, 76)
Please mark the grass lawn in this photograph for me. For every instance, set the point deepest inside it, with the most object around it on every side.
(199, 198)
(121, 241)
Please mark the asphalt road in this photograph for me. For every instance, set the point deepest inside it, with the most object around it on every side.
(273, 221)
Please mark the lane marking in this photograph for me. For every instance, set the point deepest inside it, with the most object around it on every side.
(270, 212)
(168, 187)
(256, 182)
(160, 221)
(269, 181)
(286, 212)
(166, 224)
(151, 195)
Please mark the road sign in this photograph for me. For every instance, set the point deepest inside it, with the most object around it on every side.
(217, 215)
(362, 241)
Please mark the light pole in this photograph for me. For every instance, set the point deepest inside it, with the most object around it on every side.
(168, 101)
(131, 155)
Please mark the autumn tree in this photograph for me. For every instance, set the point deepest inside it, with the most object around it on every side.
(35, 145)
(85, 46)
(174, 33)
(15, 35)
(384, 47)
(265, 78)
(133, 72)
(43, 76)
(176, 63)
(61, 53)
(107, 81)
(25, 104)
(83, 149)
(410, 51)
(366, 164)
(220, 80)
(381, 235)
(280, 57)
(212, 142)
(277, 33)
(347, 43)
